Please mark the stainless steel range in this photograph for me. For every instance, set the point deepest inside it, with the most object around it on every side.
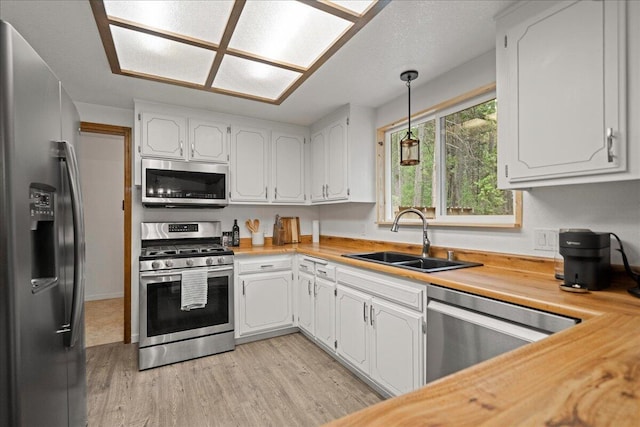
(186, 293)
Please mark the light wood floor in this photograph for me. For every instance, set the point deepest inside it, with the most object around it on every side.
(283, 381)
(104, 321)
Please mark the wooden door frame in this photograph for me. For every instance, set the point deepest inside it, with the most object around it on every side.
(125, 132)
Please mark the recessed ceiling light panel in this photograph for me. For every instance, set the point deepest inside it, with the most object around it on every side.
(203, 20)
(157, 56)
(255, 49)
(253, 78)
(286, 31)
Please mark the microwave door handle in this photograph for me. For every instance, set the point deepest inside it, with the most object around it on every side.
(77, 211)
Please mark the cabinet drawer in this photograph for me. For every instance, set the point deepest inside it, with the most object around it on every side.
(326, 272)
(378, 285)
(306, 266)
(263, 265)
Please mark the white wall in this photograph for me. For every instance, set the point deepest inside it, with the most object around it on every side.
(101, 164)
(105, 115)
(613, 207)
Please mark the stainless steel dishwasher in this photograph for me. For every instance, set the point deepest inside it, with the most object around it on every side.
(464, 329)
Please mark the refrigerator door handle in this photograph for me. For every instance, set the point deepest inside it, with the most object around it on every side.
(78, 243)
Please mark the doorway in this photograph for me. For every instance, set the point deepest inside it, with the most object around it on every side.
(106, 151)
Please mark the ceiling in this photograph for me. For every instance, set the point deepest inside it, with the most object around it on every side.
(430, 36)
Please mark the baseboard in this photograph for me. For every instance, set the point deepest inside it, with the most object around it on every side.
(104, 296)
(265, 335)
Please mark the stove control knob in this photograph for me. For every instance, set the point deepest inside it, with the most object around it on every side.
(221, 260)
(155, 265)
(168, 263)
(190, 262)
(209, 261)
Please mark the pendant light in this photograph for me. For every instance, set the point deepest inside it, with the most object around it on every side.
(409, 146)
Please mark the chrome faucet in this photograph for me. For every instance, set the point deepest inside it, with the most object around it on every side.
(426, 244)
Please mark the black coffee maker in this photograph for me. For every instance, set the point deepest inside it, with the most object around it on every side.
(587, 260)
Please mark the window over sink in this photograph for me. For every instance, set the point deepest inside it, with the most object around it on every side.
(455, 182)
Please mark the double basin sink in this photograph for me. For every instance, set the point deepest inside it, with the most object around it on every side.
(411, 262)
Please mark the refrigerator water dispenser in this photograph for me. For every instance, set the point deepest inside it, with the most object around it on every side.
(43, 237)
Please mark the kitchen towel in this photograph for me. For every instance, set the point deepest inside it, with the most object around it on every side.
(193, 293)
(315, 232)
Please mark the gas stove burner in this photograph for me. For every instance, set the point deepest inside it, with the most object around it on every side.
(210, 249)
(159, 251)
(188, 249)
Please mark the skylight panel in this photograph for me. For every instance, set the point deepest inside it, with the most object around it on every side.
(203, 20)
(146, 54)
(251, 77)
(256, 49)
(286, 31)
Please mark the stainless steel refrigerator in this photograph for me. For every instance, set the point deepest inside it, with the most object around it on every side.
(42, 347)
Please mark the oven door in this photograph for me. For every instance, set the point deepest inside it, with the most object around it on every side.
(162, 320)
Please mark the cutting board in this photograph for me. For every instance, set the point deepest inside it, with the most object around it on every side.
(291, 226)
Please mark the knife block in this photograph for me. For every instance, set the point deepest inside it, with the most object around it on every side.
(278, 235)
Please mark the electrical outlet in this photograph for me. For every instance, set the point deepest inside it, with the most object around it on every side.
(545, 239)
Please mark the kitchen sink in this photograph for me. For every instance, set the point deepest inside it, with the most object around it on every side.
(411, 262)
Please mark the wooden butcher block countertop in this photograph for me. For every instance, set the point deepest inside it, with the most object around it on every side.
(588, 375)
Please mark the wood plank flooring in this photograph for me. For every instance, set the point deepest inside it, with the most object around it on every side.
(283, 381)
(104, 321)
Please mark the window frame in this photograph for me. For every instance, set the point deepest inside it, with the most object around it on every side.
(383, 169)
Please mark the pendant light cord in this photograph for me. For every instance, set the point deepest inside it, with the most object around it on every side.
(409, 109)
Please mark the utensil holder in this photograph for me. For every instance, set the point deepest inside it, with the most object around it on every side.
(278, 236)
(257, 239)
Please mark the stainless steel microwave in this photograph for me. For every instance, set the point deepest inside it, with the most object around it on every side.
(173, 183)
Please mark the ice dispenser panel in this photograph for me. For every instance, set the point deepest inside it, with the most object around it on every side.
(43, 237)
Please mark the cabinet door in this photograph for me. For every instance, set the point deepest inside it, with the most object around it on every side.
(208, 141)
(562, 91)
(397, 355)
(336, 161)
(352, 330)
(163, 136)
(318, 167)
(325, 312)
(265, 302)
(287, 168)
(249, 164)
(305, 302)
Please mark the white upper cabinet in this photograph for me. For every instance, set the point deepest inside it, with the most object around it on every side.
(249, 164)
(561, 81)
(343, 156)
(163, 135)
(208, 141)
(267, 167)
(287, 168)
(318, 166)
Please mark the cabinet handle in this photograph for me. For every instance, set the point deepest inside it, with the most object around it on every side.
(181, 150)
(322, 272)
(315, 289)
(371, 314)
(275, 193)
(243, 287)
(610, 145)
(309, 287)
(266, 193)
(267, 266)
(193, 149)
(364, 311)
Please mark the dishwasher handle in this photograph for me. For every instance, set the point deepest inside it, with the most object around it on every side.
(498, 325)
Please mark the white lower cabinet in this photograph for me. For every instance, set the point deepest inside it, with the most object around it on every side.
(305, 302)
(316, 300)
(382, 339)
(396, 347)
(325, 312)
(352, 327)
(264, 295)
